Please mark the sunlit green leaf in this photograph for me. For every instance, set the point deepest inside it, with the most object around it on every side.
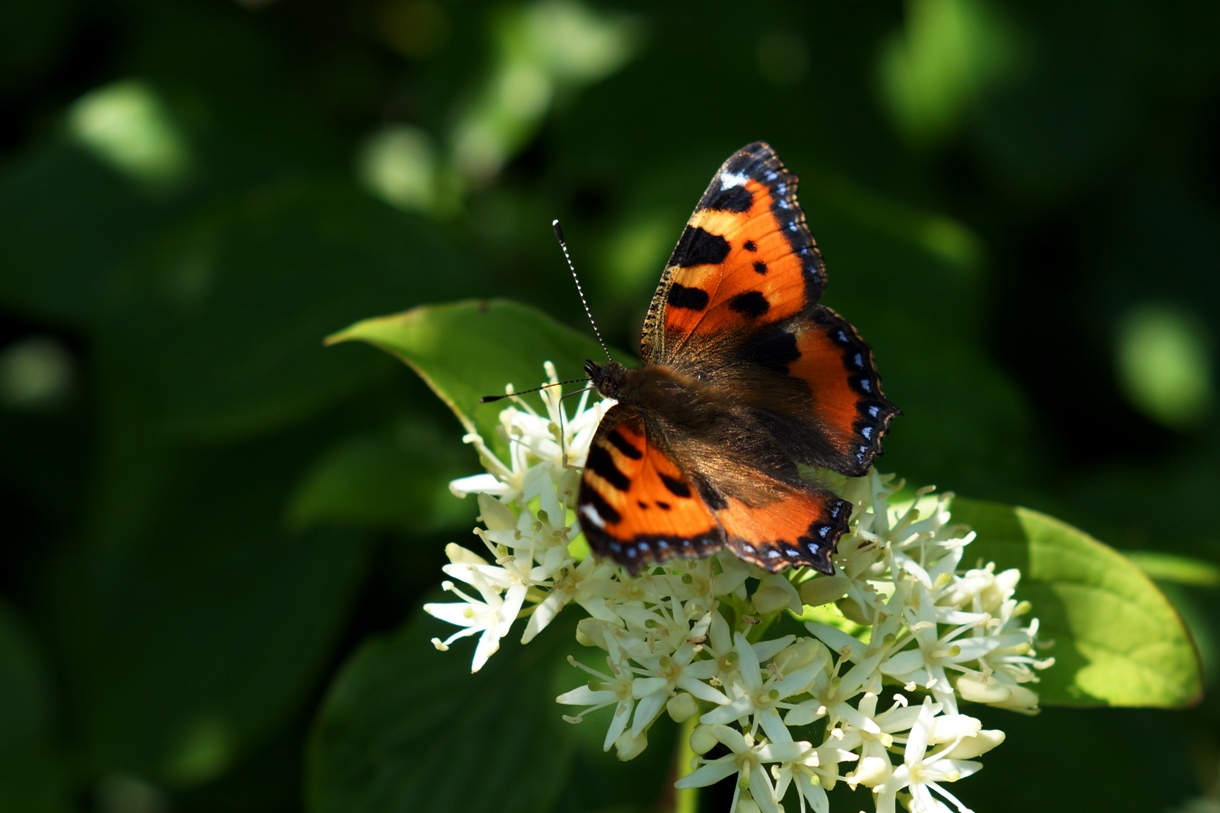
(1116, 638)
(399, 165)
(467, 350)
(1183, 570)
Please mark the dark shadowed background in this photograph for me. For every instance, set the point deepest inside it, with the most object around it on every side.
(204, 513)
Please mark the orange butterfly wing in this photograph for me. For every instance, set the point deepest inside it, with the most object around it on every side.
(745, 259)
(743, 286)
(635, 503)
(735, 329)
(800, 528)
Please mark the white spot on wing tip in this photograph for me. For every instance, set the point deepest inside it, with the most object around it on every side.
(730, 180)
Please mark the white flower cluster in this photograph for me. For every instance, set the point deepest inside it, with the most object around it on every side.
(793, 681)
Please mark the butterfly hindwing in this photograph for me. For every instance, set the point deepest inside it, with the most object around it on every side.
(636, 504)
(800, 528)
(849, 409)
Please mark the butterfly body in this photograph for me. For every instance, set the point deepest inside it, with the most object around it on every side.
(747, 382)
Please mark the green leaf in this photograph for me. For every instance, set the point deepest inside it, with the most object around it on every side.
(466, 350)
(1117, 639)
(407, 728)
(1176, 569)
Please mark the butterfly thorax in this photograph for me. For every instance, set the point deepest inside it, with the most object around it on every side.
(665, 393)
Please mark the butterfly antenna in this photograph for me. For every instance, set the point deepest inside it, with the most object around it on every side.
(563, 244)
(487, 399)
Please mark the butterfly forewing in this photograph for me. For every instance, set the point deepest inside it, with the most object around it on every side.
(745, 259)
(636, 504)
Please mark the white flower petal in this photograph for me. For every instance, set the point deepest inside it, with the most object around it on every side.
(477, 484)
(709, 773)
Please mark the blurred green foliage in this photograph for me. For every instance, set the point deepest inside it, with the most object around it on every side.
(1019, 204)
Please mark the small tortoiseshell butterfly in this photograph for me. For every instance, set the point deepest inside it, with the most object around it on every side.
(745, 379)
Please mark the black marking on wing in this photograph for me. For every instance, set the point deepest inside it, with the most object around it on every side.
(734, 199)
(821, 539)
(605, 510)
(750, 304)
(774, 348)
(602, 464)
(873, 410)
(676, 487)
(624, 446)
(680, 296)
(710, 495)
(647, 549)
(699, 247)
(759, 161)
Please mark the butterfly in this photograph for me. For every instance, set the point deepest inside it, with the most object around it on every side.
(746, 380)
